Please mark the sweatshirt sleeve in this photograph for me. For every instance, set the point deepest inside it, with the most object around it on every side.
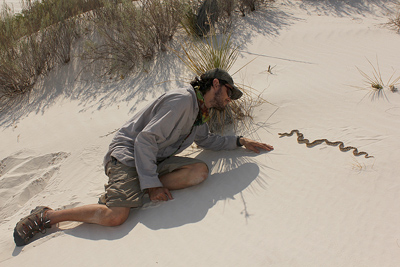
(207, 140)
(157, 131)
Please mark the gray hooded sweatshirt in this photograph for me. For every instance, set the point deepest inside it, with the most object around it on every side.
(160, 130)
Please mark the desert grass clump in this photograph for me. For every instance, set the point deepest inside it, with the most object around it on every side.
(200, 17)
(189, 22)
(227, 7)
(162, 18)
(207, 16)
(28, 49)
(130, 33)
(213, 51)
(119, 44)
(394, 22)
(22, 59)
(44, 13)
(376, 83)
(28, 58)
(248, 6)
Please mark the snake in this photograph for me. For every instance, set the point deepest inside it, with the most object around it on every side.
(342, 147)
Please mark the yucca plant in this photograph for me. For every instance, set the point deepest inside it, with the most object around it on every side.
(212, 51)
(217, 51)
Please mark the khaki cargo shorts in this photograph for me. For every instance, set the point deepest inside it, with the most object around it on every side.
(123, 188)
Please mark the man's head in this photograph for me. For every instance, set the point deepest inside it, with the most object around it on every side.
(206, 81)
(224, 78)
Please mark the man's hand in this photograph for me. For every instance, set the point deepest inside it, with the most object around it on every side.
(254, 145)
(159, 194)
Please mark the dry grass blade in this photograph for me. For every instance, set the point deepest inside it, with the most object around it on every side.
(375, 82)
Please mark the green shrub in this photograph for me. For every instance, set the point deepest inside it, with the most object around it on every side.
(49, 12)
(21, 65)
(121, 41)
(132, 32)
(162, 19)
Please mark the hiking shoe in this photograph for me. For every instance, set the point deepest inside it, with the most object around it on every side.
(30, 225)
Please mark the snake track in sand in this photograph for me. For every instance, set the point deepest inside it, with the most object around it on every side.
(301, 140)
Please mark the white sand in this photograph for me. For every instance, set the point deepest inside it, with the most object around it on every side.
(15, 5)
(294, 206)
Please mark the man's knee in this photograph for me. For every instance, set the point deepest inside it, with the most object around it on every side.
(116, 216)
(199, 173)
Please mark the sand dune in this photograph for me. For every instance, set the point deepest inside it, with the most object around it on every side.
(294, 206)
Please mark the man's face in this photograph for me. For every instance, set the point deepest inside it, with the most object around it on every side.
(222, 97)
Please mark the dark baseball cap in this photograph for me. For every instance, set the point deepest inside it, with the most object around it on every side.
(224, 76)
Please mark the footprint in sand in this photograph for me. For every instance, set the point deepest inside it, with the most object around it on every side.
(24, 175)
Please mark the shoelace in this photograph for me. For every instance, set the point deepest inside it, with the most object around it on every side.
(41, 225)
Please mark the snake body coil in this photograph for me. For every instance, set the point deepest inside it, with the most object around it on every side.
(302, 140)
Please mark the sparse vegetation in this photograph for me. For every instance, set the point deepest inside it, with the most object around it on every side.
(199, 19)
(213, 51)
(376, 83)
(120, 43)
(248, 6)
(131, 32)
(31, 44)
(394, 22)
(121, 35)
(37, 15)
(227, 7)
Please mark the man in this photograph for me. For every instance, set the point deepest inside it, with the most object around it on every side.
(141, 157)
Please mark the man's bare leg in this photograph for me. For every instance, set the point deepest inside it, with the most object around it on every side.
(112, 216)
(185, 176)
(96, 213)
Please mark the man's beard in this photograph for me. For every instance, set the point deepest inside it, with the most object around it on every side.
(218, 102)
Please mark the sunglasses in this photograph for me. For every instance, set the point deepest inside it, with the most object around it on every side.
(229, 91)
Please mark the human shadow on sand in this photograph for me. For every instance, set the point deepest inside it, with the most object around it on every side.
(230, 175)
(193, 204)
